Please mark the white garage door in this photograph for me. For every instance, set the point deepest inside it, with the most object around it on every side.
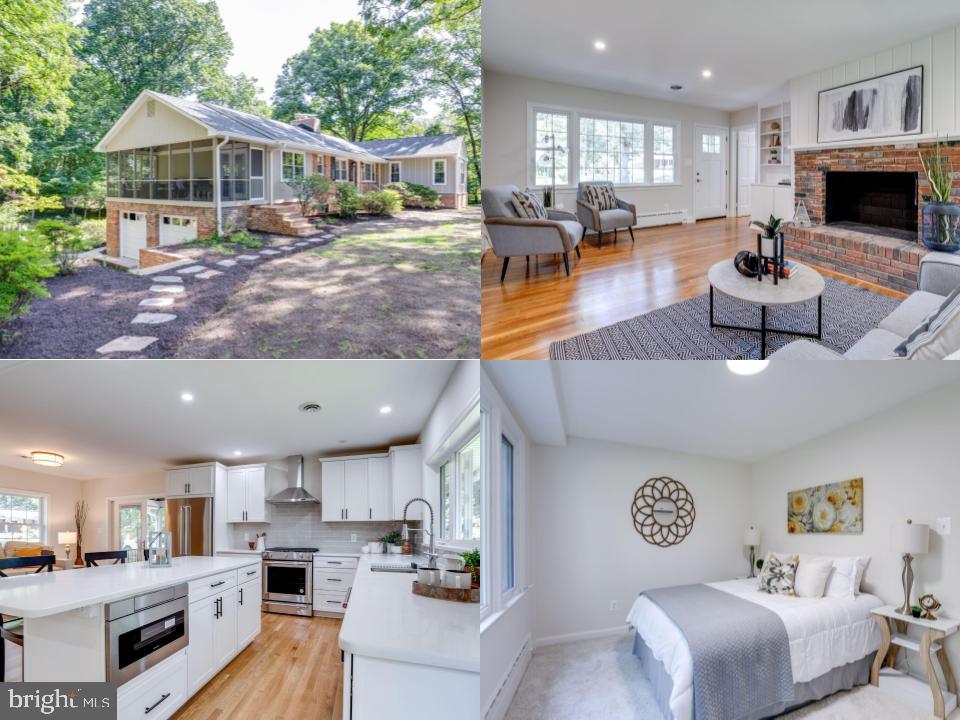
(175, 230)
(133, 234)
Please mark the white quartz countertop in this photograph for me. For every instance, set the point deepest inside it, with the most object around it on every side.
(386, 620)
(49, 593)
(240, 551)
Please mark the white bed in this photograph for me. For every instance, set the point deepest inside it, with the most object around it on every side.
(824, 633)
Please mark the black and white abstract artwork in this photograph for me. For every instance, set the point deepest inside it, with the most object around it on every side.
(883, 106)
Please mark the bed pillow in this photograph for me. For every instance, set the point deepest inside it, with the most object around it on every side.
(779, 574)
(843, 579)
(812, 577)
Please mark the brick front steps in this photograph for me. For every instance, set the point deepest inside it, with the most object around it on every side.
(886, 261)
(280, 219)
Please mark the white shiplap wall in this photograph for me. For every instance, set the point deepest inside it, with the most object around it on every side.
(938, 53)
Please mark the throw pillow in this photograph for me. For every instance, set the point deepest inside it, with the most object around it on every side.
(779, 573)
(812, 577)
(842, 582)
(601, 197)
(28, 551)
(528, 206)
(936, 337)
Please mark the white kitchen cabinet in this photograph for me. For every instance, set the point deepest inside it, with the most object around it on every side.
(156, 694)
(248, 612)
(331, 491)
(225, 629)
(345, 489)
(191, 480)
(213, 635)
(332, 579)
(248, 487)
(356, 490)
(378, 483)
(406, 480)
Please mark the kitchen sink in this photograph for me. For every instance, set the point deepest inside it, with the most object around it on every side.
(393, 567)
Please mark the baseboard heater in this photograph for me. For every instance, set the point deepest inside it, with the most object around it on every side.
(663, 217)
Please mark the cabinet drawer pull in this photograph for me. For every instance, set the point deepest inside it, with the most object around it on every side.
(333, 602)
(251, 572)
(241, 596)
(334, 562)
(163, 697)
(218, 584)
(334, 580)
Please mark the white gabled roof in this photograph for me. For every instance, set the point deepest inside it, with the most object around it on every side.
(220, 120)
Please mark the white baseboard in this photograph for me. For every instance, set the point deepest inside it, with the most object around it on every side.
(509, 683)
(585, 635)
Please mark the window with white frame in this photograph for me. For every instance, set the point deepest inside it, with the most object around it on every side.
(551, 148)
(664, 154)
(439, 172)
(394, 172)
(23, 516)
(611, 150)
(710, 144)
(507, 541)
(293, 163)
(369, 173)
(460, 479)
(341, 170)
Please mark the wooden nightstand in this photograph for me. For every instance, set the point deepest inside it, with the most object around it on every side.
(934, 634)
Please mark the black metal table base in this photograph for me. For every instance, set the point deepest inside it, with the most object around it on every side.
(763, 329)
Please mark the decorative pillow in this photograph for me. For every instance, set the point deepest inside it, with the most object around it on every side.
(28, 551)
(937, 336)
(528, 206)
(812, 577)
(779, 574)
(843, 579)
(601, 197)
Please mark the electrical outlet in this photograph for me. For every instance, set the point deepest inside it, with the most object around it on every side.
(613, 605)
(943, 526)
(353, 537)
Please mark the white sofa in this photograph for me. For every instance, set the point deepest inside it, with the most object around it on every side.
(939, 276)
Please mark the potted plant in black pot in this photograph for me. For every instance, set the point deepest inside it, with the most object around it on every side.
(940, 229)
(770, 245)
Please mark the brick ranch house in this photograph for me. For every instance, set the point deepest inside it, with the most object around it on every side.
(178, 169)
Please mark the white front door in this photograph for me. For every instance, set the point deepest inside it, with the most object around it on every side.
(133, 234)
(746, 167)
(710, 167)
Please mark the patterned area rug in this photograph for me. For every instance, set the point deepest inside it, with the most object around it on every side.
(682, 331)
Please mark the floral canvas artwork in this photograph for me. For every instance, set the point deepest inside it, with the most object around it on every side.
(833, 508)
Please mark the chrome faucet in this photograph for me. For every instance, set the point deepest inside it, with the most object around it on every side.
(432, 553)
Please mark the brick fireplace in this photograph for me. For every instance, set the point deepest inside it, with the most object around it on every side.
(865, 205)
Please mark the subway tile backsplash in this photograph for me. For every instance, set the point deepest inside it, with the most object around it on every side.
(300, 525)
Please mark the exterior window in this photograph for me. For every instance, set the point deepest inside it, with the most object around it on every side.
(664, 153)
(439, 172)
(394, 172)
(341, 171)
(711, 144)
(201, 158)
(460, 479)
(368, 173)
(611, 150)
(463, 174)
(292, 166)
(23, 516)
(551, 148)
(507, 541)
(256, 174)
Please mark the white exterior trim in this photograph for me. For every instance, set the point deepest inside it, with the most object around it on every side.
(399, 165)
(433, 172)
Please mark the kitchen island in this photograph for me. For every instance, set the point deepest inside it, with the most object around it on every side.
(394, 641)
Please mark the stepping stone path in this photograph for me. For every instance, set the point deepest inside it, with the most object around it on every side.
(248, 257)
(227, 263)
(192, 270)
(286, 248)
(126, 343)
(167, 279)
(157, 302)
(269, 252)
(208, 274)
(175, 289)
(153, 318)
(300, 244)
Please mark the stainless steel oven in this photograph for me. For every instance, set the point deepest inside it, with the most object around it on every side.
(144, 630)
(288, 580)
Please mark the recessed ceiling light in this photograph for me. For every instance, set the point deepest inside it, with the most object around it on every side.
(600, 45)
(747, 367)
(707, 73)
(311, 407)
(238, 453)
(47, 459)
(186, 397)
(386, 410)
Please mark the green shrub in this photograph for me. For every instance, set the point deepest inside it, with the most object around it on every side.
(309, 190)
(348, 200)
(63, 241)
(416, 196)
(94, 232)
(382, 202)
(24, 264)
(229, 240)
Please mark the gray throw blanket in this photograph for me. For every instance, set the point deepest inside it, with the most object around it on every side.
(740, 650)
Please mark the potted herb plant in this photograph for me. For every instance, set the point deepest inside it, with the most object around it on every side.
(940, 228)
(392, 540)
(471, 562)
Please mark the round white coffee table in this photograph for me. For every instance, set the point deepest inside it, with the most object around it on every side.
(803, 284)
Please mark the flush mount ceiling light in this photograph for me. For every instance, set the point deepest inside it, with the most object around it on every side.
(747, 367)
(47, 459)
(707, 73)
(386, 410)
(311, 407)
(238, 453)
(599, 45)
(187, 397)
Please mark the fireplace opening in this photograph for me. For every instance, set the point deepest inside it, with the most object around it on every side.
(884, 201)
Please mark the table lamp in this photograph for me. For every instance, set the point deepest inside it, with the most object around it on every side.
(751, 538)
(910, 539)
(67, 539)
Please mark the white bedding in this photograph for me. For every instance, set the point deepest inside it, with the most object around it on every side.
(824, 633)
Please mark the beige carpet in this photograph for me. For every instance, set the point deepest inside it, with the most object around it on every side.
(602, 680)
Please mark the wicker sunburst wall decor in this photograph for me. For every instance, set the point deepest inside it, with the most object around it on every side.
(663, 511)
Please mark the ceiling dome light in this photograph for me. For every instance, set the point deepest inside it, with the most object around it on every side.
(386, 410)
(747, 367)
(707, 73)
(47, 459)
(186, 397)
(238, 453)
(600, 45)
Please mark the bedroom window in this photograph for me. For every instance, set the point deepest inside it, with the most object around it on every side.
(551, 148)
(439, 172)
(611, 150)
(508, 581)
(23, 516)
(292, 166)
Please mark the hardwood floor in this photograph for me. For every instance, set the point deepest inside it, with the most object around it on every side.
(291, 671)
(538, 304)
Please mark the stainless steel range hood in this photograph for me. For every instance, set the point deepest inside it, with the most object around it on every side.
(294, 493)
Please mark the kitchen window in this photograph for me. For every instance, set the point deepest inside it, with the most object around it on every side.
(508, 581)
(23, 516)
(460, 494)
(439, 172)
(293, 163)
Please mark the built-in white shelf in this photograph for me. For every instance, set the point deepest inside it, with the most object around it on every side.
(770, 173)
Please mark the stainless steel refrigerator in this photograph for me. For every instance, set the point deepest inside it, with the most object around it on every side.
(190, 520)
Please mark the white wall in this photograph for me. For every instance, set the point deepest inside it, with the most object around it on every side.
(505, 104)
(907, 459)
(938, 53)
(96, 532)
(62, 493)
(585, 551)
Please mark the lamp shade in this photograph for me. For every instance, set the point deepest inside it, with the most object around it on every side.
(911, 538)
(67, 538)
(751, 536)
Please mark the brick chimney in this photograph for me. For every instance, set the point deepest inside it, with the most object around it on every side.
(307, 122)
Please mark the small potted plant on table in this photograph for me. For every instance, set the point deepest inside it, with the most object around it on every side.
(769, 246)
(471, 562)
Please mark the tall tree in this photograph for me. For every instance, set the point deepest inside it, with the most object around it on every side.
(352, 79)
(240, 92)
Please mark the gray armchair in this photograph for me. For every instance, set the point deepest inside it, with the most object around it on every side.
(512, 235)
(624, 215)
